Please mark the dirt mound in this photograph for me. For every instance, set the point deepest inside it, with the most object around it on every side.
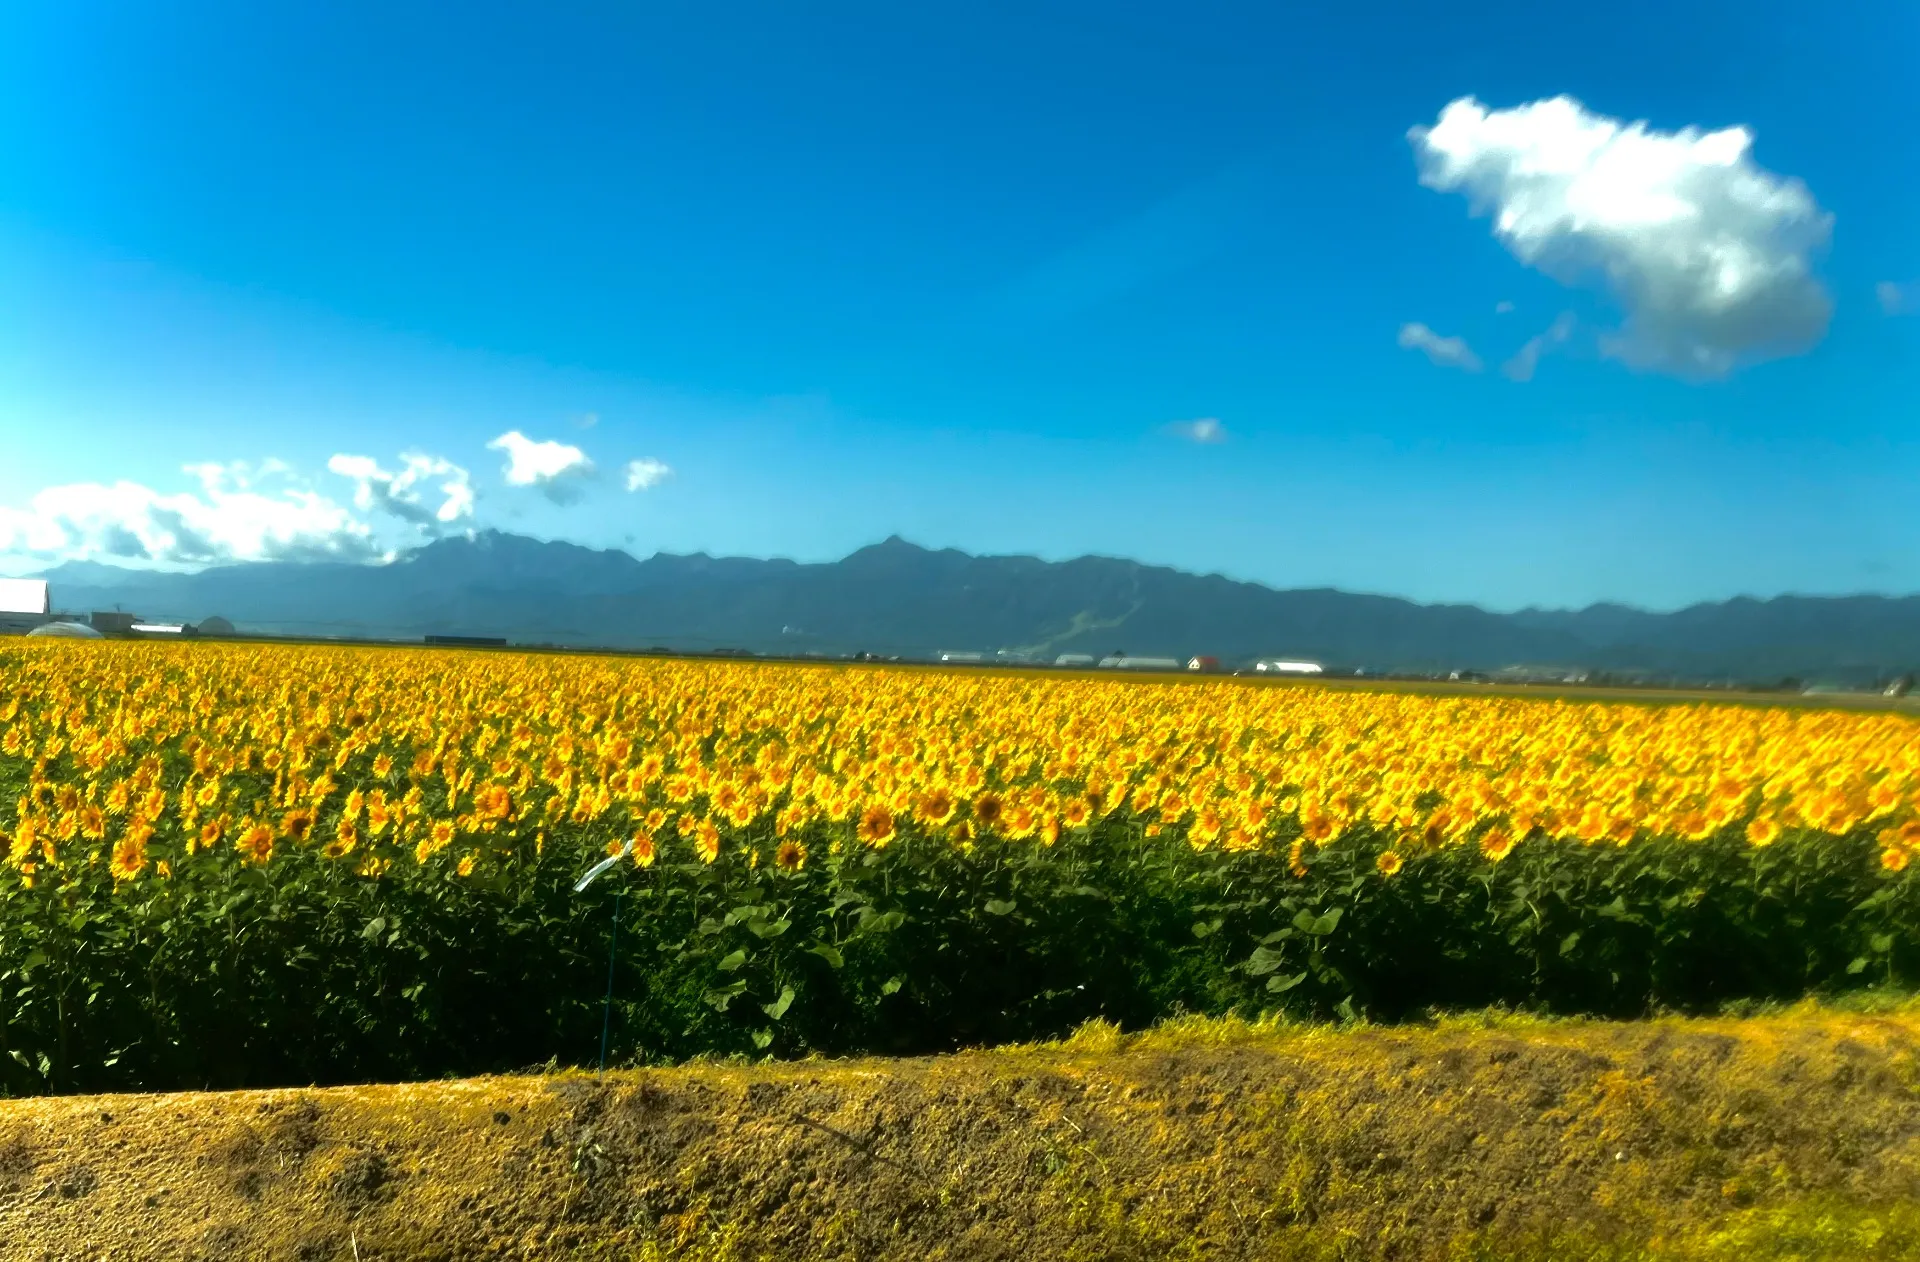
(1796, 1135)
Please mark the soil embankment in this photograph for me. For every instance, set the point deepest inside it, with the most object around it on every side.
(1792, 1135)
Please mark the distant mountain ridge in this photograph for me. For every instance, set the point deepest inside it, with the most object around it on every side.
(895, 597)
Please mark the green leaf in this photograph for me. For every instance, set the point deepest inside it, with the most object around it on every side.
(35, 958)
(1280, 985)
(732, 962)
(881, 921)
(891, 985)
(1859, 965)
(1207, 928)
(763, 1039)
(830, 954)
(778, 1008)
(764, 929)
(1318, 926)
(1568, 943)
(719, 998)
(375, 927)
(1278, 935)
(1263, 961)
(1881, 943)
(709, 926)
(999, 906)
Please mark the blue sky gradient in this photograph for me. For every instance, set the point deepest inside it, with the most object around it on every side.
(958, 272)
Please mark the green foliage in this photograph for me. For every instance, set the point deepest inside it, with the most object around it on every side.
(226, 973)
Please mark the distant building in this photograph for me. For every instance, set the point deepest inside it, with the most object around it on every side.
(161, 630)
(963, 657)
(1074, 660)
(1206, 665)
(112, 622)
(1540, 675)
(1120, 661)
(484, 641)
(216, 625)
(24, 603)
(1287, 666)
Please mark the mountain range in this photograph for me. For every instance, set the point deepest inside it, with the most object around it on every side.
(896, 598)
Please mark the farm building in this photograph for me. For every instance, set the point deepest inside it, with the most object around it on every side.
(1287, 666)
(24, 603)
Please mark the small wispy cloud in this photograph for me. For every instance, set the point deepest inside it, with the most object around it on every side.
(642, 475)
(397, 492)
(1448, 352)
(1503, 307)
(1898, 299)
(552, 468)
(1205, 429)
(1522, 365)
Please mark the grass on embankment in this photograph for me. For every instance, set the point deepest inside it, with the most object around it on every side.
(1794, 1134)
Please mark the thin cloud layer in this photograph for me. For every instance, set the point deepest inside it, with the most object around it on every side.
(552, 468)
(1708, 254)
(1448, 352)
(1204, 429)
(642, 475)
(241, 513)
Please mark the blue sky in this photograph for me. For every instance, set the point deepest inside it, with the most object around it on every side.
(275, 280)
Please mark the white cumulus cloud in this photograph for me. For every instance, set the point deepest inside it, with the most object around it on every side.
(645, 474)
(1450, 352)
(1708, 254)
(242, 512)
(1205, 429)
(398, 492)
(552, 467)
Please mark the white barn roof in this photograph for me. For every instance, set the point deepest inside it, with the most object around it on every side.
(24, 595)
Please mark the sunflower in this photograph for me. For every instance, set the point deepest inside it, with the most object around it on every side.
(1496, 844)
(345, 838)
(935, 807)
(1893, 859)
(465, 866)
(1763, 830)
(643, 853)
(297, 824)
(255, 845)
(706, 841)
(792, 856)
(129, 854)
(876, 826)
(1389, 862)
(987, 809)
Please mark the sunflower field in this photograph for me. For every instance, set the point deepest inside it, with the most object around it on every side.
(233, 864)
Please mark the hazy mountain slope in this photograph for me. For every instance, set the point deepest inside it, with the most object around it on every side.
(895, 597)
